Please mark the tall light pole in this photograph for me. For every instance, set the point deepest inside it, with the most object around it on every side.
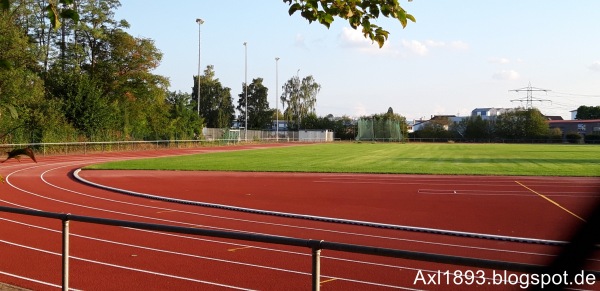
(246, 89)
(277, 99)
(199, 21)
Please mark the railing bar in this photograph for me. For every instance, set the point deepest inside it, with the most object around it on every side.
(313, 244)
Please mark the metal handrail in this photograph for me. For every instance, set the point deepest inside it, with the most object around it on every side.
(315, 245)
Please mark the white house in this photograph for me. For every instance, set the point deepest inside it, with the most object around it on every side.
(489, 113)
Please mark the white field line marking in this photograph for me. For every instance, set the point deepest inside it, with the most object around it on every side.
(503, 193)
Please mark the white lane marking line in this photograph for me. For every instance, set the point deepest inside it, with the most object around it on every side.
(123, 267)
(250, 221)
(188, 255)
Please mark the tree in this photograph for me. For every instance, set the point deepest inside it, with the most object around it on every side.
(300, 98)
(55, 10)
(185, 121)
(124, 69)
(94, 29)
(473, 128)
(521, 124)
(357, 12)
(216, 103)
(16, 61)
(259, 114)
(588, 112)
(83, 103)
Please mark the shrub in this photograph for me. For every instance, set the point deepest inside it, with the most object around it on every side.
(573, 137)
(592, 138)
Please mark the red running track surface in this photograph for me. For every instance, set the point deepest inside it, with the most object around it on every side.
(111, 258)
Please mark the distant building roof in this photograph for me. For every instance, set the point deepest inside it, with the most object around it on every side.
(575, 121)
(554, 117)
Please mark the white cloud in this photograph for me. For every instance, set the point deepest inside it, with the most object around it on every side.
(459, 45)
(423, 48)
(595, 66)
(506, 75)
(499, 60)
(353, 38)
(415, 47)
(433, 43)
(299, 41)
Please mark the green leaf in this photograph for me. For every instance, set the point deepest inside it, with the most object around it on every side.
(385, 10)
(71, 14)
(380, 39)
(354, 21)
(295, 7)
(325, 19)
(373, 9)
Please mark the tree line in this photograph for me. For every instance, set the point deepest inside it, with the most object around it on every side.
(69, 71)
(527, 125)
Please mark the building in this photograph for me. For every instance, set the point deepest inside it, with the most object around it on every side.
(489, 113)
(583, 127)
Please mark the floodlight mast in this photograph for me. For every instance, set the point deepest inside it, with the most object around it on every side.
(277, 99)
(246, 88)
(200, 22)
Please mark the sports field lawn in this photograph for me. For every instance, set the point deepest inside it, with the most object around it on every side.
(453, 159)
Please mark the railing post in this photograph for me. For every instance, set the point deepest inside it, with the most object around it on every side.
(316, 269)
(316, 264)
(65, 253)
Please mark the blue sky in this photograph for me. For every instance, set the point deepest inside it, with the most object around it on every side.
(457, 56)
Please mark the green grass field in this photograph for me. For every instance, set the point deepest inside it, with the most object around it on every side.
(447, 159)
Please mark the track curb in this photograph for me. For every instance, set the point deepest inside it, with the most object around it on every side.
(322, 218)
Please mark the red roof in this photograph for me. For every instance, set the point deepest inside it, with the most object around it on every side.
(575, 121)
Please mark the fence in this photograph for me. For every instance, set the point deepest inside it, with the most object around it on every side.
(217, 137)
(215, 134)
(314, 245)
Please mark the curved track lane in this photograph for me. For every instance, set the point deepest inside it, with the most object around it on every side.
(110, 258)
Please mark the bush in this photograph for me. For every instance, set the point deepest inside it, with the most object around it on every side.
(573, 137)
(592, 138)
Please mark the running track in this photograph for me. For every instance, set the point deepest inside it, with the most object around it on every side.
(110, 258)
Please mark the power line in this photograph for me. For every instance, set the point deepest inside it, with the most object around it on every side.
(529, 99)
(575, 95)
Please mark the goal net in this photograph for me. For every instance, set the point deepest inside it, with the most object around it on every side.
(379, 130)
(231, 135)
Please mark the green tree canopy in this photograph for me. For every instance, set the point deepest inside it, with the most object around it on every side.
(259, 113)
(521, 124)
(300, 96)
(588, 112)
(216, 103)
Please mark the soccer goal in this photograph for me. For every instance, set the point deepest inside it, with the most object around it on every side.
(231, 135)
(378, 130)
